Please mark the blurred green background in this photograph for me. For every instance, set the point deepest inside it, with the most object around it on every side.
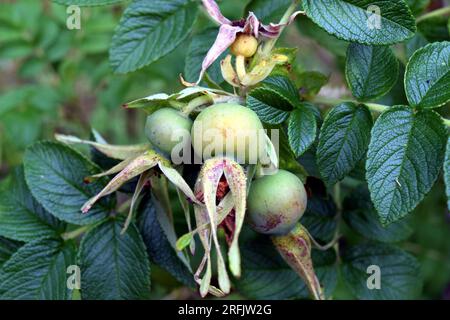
(58, 80)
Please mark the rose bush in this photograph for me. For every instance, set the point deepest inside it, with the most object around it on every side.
(346, 168)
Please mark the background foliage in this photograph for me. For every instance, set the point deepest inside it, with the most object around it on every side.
(68, 81)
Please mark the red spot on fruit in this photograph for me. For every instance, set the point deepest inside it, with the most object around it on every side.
(272, 221)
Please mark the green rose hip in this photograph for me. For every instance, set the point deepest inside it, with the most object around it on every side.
(276, 203)
(165, 129)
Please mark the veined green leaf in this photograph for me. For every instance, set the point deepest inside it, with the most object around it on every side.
(370, 71)
(363, 21)
(399, 272)
(38, 271)
(361, 216)
(302, 129)
(427, 76)
(55, 175)
(447, 172)
(21, 216)
(114, 266)
(343, 140)
(405, 156)
(148, 31)
(159, 249)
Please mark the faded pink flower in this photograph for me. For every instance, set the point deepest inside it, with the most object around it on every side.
(229, 29)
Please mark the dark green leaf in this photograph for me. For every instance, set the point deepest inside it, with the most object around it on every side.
(148, 31)
(310, 82)
(447, 172)
(22, 217)
(284, 86)
(37, 271)
(114, 266)
(158, 246)
(196, 51)
(268, 10)
(399, 272)
(320, 217)
(331, 43)
(361, 216)
(7, 249)
(55, 174)
(308, 160)
(265, 275)
(302, 129)
(343, 140)
(287, 158)
(273, 100)
(417, 6)
(427, 76)
(351, 20)
(435, 29)
(370, 71)
(359, 172)
(404, 159)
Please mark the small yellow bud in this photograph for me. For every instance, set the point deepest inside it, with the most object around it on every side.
(244, 45)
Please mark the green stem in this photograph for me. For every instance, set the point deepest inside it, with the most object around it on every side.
(447, 122)
(335, 101)
(375, 107)
(268, 46)
(432, 14)
(77, 232)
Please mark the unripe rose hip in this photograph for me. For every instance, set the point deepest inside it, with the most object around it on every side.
(164, 128)
(276, 203)
(244, 45)
(227, 127)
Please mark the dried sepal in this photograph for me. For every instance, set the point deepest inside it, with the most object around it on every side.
(117, 168)
(271, 152)
(177, 100)
(295, 248)
(143, 179)
(209, 216)
(212, 172)
(263, 69)
(228, 72)
(177, 180)
(205, 238)
(137, 166)
(237, 181)
(111, 151)
(223, 209)
(187, 215)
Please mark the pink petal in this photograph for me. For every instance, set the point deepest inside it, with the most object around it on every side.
(214, 12)
(273, 29)
(251, 25)
(225, 37)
